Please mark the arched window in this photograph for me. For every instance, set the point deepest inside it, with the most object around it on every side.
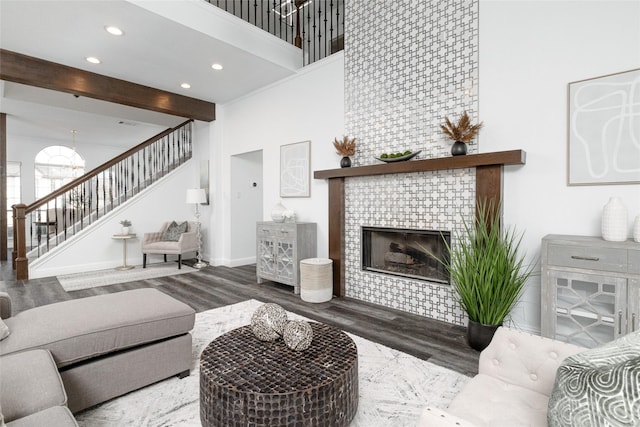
(55, 166)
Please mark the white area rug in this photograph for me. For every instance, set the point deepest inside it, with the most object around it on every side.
(394, 387)
(93, 279)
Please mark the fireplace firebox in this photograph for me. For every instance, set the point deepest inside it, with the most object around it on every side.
(406, 252)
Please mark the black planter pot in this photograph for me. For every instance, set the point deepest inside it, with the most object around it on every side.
(458, 148)
(345, 162)
(479, 336)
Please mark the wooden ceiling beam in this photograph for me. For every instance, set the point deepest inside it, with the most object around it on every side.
(19, 68)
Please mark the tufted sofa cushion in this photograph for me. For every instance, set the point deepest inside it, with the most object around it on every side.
(524, 360)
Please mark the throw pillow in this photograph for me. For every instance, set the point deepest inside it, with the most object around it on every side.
(4, 330)
(598, 387)
(173, 232)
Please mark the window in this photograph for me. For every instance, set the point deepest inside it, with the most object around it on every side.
(55, 166)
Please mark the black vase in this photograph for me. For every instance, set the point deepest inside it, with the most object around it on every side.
(479, 335)
(458, 148)
(345, 162)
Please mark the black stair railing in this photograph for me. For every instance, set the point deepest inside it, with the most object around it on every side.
(51, 220)
(315, 26)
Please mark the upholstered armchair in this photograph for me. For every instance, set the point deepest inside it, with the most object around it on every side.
(161, 243)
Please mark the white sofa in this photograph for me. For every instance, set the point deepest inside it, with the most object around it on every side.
(516, 374)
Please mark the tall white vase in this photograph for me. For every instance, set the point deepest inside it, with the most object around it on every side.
(614, 221)
(636, 229)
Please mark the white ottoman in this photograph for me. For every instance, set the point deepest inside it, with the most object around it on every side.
(316, 279)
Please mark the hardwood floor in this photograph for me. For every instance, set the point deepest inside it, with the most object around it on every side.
(440, 343)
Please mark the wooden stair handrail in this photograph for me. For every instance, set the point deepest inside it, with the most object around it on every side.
(87, 176)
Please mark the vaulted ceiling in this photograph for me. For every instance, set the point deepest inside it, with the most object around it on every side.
(165, 44)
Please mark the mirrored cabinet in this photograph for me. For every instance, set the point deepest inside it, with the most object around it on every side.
(280, 248)
(590, 289)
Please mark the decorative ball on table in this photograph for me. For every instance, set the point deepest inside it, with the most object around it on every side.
(268, 322)
(297, 335)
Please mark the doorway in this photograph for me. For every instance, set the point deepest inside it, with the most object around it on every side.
(245, 206)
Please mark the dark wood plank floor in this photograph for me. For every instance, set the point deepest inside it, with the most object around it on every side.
(438, 342)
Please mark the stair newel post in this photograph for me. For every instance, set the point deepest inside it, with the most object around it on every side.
(20, 261)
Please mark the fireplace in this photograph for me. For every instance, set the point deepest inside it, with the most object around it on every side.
(405, 252)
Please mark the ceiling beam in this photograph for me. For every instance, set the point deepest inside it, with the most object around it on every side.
(19, 68)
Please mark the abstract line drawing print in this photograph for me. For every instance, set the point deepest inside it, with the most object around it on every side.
(294, 169)
(604, 129)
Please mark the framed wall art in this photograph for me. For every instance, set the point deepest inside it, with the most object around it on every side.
(295, 169)
(604, 130)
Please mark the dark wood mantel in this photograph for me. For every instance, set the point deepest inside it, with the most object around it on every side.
(489, 169)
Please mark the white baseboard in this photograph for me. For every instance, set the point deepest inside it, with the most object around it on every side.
(241, 261)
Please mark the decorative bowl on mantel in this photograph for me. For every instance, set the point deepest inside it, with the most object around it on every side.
(399, 158)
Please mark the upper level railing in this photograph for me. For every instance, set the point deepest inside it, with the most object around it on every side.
(51, 220)
(315, 26)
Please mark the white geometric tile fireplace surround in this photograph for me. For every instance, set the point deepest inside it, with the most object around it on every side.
(407, 65)
(435, 200)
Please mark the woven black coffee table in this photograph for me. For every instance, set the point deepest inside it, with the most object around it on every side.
(247, 382)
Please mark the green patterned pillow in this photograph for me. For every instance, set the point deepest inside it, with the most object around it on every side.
(599, 387)
(173, 232)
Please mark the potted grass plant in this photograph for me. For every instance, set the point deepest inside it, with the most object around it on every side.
(488, 272)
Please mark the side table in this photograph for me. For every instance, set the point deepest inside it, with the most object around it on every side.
(124, 238)
(316, 279)
(247, 382)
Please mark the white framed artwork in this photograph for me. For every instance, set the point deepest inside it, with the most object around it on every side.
(604, 130)
(295, 169)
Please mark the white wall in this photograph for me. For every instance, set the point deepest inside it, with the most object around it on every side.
(529, 52)
(307, 106)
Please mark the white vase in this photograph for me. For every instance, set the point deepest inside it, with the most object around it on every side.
(125, 230)
(614, 221)
(277, 213)
(636, 229)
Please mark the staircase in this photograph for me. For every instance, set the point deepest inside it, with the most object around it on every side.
(51, 220)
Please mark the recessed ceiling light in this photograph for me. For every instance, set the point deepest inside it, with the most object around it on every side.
(185, 85)
(92, 59)
(114, 30)
(217, 67)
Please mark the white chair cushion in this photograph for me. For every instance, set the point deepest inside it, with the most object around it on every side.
(487, 401)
